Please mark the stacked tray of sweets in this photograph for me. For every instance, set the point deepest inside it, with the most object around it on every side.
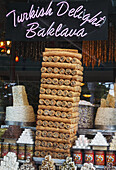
(57, 118)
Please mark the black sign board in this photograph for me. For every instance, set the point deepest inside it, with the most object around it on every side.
(60, 20)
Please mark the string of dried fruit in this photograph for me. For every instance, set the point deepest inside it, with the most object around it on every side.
(42, 49)
(100, 52)
(83, 52)
(86, 54)
(89, 52)
(105, 51)
(109, 40)
(112, 43)
(34, 44)
(92, 53)
(31, 50)
(97, 47)
(92, 63)
(36, 52)
(39, 48)
(115, 47)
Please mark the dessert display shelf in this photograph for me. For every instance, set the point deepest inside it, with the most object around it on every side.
(98, 158)
(23, 124)
(96, 166)
(94, 131)
(39, 160)
(23, 127)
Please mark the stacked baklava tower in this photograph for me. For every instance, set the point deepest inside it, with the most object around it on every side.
(57, 118)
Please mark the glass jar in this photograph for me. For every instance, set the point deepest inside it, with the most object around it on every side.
(21, 152)
(5, 149)
(110, 158)
(99, 158)
(89, 156)
(29, 151)
(13, 148)
(77, 157)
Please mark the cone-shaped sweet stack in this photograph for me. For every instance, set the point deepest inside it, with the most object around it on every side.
(57, 119)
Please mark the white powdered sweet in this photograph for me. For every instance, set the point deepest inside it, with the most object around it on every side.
(9, 162)
(99, 140)
(21, 111)
(82, 143)
(88, 166)
(26, 137)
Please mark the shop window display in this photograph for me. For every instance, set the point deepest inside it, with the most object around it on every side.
(70, 86)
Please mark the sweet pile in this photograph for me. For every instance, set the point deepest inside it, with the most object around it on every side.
(82, 143)
(21, 111)
(88, 166)
(9, 162)
(28, 165)
(68, 165)
(26, 137)
(57, 119)
(113, 143)
(47, 163)
(99, 142)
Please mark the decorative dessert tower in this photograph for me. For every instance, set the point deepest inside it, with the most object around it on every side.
(106, 113)
(57, 118)
(21, 113)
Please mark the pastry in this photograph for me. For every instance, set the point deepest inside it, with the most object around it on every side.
(73, 89)
(63, 109)
(61, 49)
(56, 70)
(42, 90)
(49, 70)
(61, 71)
(50, 58)
(62, 65)
(63, 53)
(48, 91)
(68, 59)
(43, 69)
(56, 58)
